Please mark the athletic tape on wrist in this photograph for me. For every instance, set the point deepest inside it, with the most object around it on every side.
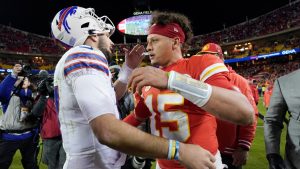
(193, 90)
(124, 74)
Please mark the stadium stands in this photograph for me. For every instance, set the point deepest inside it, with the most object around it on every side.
(275, 31)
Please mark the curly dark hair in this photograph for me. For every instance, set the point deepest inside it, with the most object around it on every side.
(164, 18)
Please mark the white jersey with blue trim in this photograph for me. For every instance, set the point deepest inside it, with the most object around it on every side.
(84, 91)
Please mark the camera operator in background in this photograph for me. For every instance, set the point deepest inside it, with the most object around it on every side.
(18, 128)
(53, 154)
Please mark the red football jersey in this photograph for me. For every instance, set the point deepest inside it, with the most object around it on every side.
(174, 117)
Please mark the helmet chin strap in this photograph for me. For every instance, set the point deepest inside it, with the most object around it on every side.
(93, 32)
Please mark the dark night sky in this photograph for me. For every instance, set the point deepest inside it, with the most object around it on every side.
(35, 15)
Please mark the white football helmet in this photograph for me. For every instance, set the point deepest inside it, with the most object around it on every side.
(74, 24)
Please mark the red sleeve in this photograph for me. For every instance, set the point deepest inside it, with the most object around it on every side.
(140, 113)
(210, 69)
(131, 119)
(246, 133)
(220, 80)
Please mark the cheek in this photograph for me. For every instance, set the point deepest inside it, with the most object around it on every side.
(163, 52)
(159, 51)
(104, 45)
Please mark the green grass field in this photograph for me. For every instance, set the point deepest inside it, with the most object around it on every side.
(257, 155)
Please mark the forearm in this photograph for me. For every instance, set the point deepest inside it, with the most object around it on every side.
(120, 89)
(6, 87)
(123, 137)
(272, 134)
(120, 85)
(273, 121)
(39, 106)
(246, 134)
(230, 106)
(223, 103)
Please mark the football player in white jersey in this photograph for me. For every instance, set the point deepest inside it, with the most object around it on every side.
(86, 100)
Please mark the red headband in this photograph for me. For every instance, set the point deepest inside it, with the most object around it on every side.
(171, 30)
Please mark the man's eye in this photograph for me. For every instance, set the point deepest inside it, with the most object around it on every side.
(153, 40)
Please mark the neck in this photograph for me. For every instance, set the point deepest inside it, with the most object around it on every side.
(174, 59)
(91, 43)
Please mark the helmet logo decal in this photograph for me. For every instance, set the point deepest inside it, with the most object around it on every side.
(63, 16)
(206, 47)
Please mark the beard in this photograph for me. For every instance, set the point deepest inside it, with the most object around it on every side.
(107, 53)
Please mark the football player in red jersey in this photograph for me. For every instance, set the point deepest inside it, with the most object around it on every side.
(178, 96)
(234, 140)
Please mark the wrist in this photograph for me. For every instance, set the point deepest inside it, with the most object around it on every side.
(124, 74)
(176, 157)
(168, 74)
(243, 148)
(173, 150)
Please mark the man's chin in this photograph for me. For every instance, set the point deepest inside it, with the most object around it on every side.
(153, 63)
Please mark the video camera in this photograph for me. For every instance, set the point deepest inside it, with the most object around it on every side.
(45, 87)
(26, 71)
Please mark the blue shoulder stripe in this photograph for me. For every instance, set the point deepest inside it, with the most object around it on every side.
(85, 65)
(86, 55)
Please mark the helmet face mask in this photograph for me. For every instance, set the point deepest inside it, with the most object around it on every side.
(104, 23)
(71, 26)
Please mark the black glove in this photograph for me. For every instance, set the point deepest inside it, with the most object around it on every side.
(50, 86)
(275, 161)
(42, 88)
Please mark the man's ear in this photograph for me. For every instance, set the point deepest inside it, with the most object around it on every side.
(176, 42)
(94, 38)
